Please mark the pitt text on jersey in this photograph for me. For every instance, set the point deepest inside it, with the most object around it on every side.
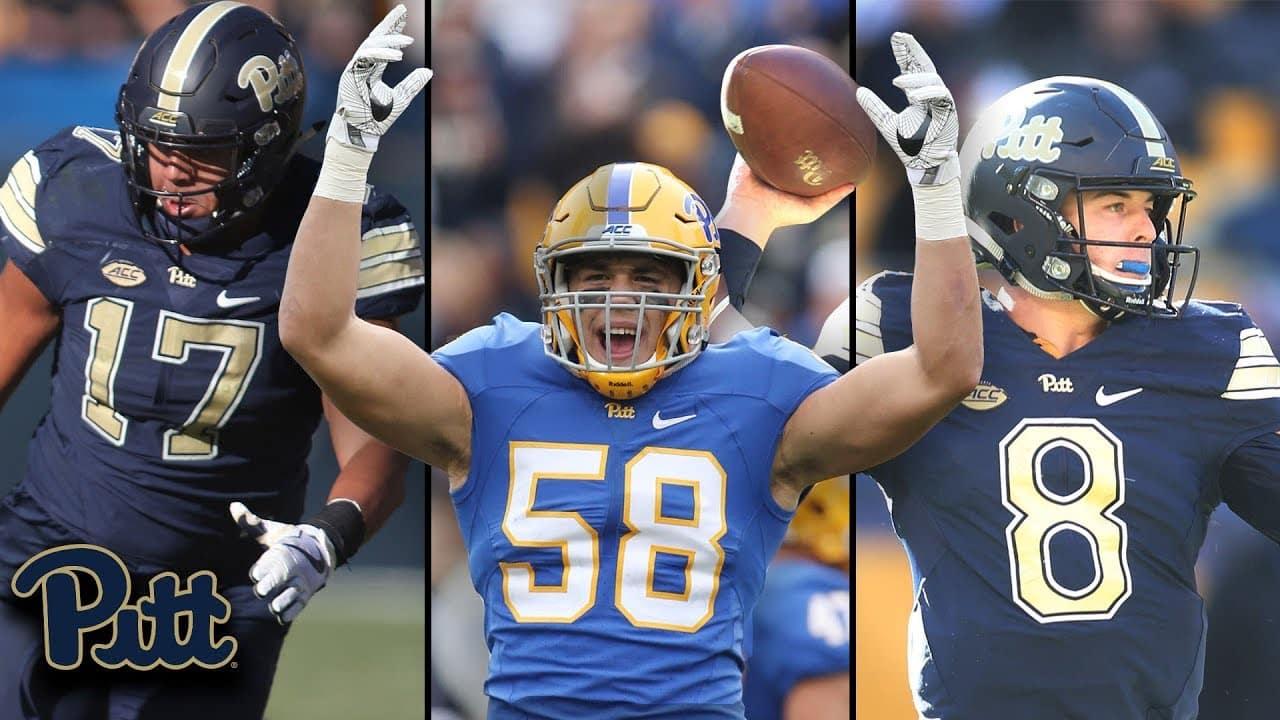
(58, 571)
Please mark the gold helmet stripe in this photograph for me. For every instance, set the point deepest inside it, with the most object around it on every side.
(184, 51)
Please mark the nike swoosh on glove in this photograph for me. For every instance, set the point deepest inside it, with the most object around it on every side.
(367, 106)
(296, 562)
(926, 133)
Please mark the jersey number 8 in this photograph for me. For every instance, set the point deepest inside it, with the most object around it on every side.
(1039, 514)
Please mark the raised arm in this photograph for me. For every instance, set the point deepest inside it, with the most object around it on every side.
(375, 376)
(884, 405)
(752, 211)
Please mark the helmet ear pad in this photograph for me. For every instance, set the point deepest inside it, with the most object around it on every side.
(218, 78)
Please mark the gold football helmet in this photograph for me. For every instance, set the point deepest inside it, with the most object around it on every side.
(629, 208)
(821, 522)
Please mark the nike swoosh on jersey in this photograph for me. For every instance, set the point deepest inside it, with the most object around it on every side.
(230, 302)
(660, 422)
(1103, 398)
(912, 145)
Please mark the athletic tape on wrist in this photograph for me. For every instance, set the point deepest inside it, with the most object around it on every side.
(344, 173)
(939, 211)
(343, 523)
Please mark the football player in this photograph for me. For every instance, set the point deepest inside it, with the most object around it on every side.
(154, 255)
(620, 484)
(798, 667)
(1052, 522)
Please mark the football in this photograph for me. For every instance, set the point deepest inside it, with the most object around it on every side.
(793, 114)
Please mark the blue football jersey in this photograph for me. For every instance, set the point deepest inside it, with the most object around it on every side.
(800, 632)
(619, 546)
(1052, 521)
(171, 393)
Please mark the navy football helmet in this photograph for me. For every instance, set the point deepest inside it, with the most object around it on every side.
(222, 80)
(1064, 135)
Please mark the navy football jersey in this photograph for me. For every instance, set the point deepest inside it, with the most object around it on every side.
(1052, 520)
(801, 632)
(171, 393)
(620, 546)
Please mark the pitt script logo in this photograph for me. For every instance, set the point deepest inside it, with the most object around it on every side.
(178, 276)
(618, 410)
(1052, 383)
(145, 635)
(1036, 139)
(273, 83)
(811, 168)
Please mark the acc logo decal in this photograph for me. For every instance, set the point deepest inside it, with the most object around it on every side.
(272, 82)
(1034, 140)
(123, 273)
(985, 397)
(166, 118)
(618, 230)
(618, 410)
(1164, 164)
(58, 572)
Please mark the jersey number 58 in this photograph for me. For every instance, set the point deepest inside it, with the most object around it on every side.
(635, 594)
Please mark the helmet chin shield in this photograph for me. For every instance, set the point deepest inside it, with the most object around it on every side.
(1061, 138)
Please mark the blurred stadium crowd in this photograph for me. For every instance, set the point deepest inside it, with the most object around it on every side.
(531, 95)
(1207, 70)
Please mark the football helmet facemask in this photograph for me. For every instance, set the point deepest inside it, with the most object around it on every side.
(628, 208)
(1062, 135)
(821, 522)
(221, 79)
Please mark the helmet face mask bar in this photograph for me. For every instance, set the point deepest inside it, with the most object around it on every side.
(683, 308)
(1058, 140)
(222, 81)
(1070, 269)
(628, 209)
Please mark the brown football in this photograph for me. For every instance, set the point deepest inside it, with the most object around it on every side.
(794, 116)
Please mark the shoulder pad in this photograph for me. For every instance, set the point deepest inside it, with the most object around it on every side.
(833, 341)
(868, 311)
(30, 175)
(18, 202)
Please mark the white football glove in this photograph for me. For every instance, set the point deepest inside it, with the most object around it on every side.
(367, 106)
(297, 561)
(926, 133)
